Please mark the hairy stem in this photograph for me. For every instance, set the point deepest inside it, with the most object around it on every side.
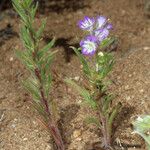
(104, 123)
(52, 125)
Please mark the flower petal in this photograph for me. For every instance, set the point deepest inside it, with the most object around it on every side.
(100, 22)
(87, 23)
(89, 45)
(101, 34)
(109, 26)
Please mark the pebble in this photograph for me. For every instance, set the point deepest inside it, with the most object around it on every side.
(146, 48)
(48, 147)
(79, 139)
(16, 47)
(126, 87)
(15, 119)
(25, 139)
(123, 12)
(76, 133)
(79, 101)
(130, 75)
(13, 125)
(141, 91)
(77, 78)
(128, 98)
(81, 66)
(11, 59)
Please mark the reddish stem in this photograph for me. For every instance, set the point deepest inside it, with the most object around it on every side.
(52, 126)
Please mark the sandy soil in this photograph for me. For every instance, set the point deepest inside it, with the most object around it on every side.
(19, 127)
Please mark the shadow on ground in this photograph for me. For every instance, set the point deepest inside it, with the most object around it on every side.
(64, 43)
(67, 115)
(61, 5)
(7, 33)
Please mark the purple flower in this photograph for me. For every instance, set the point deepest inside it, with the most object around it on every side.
(99, 29)
(87, 23)
(101, 34)
(100, 22)
(109, 26)
(89, 45)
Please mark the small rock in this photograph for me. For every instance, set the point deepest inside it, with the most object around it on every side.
(79, 101)
(146, 48)
(126, 87)
(130, 75)
(77, 78)
(25, 139)
(123, 12)
(1, 115)
(11, 59)
(16, 47)
(81, 66)
(128, 98)
(15, 119)
(76, 133)
(141, 91)
(69, 89)
(13, 125)
(79, 139)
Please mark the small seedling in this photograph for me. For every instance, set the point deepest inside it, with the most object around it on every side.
(37, 61)
(142, 127)
(96, 67)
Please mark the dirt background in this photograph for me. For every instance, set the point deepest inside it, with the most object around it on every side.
(19, 127)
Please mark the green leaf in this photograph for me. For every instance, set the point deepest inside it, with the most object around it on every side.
(26, 38)
(18, 7)
(84, 62)
(107, 42)
(46, 61)
(39, 108)
(48, 84)
(43, 52)
(27, 3)
(32, 87)
(93, 120)
(34, 9)
(84, 93)
(55, 111)
(26, 59)
(41, 29)
(105, 64)
(113, 115)
(106, 103)
(142, 126)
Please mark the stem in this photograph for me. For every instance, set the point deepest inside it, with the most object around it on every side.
(105, 130)
(52, 125)
(107, 134)
(112, 116)
(27, 12)
(104, 124)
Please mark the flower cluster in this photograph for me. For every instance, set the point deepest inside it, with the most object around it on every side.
(98, 29)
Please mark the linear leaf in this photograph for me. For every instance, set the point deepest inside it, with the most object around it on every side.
(86, 68)
(29, 85)
(25, 58)
(41, 29)
(46, 48)
(84, 93)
